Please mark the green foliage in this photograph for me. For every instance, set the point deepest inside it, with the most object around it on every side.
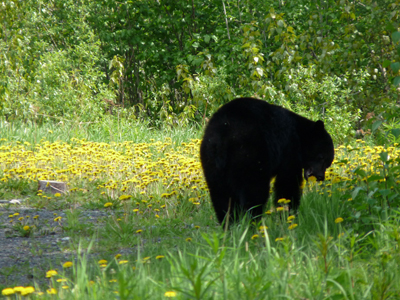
(175, 63)
(329, 98)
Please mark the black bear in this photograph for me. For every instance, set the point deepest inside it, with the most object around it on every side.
(248, 142)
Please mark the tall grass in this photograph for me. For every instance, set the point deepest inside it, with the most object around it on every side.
(185, 254)
(107, 130)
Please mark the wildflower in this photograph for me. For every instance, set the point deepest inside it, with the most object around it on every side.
(282, 200)
(57, 219)
(67, 264)
(7, 292)
(117, 256)
(18, 289)
(65, 287)
(61, 280)
(125, 197)
(26, 227)
(279, 208)
(139, 231)
(197, 227)
(268, 212)
(170, 294)
(262, 228)
(255, 236)
(189, 239)
(52, 291)
(135, 210)
(279, 239)
(108, 204)
(51, 273)
(121, 262)
(339, 220)
(11, 216)
(290, 218)
(160, 256)
(293, 226)
(27, 291)
(287, 201)
(20, 219)
(157, 216)
(57, 195)
(312, 179)
(102, 261)
(113, 280)
(16, 214)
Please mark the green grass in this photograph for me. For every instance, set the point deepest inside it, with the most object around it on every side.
(108, 130)
(358, 258)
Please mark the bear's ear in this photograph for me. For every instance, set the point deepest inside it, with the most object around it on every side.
(319, 125)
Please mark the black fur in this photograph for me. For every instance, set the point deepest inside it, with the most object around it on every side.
(247, 142)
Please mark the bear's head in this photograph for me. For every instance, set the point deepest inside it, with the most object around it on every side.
(318, 153)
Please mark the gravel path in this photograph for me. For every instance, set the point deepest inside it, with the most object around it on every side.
(25, 260)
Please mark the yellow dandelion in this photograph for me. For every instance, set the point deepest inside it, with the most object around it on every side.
(51, 273)
(160, 256)
(57, 195)
(18, 289)
(293, 226)
(338, 220)
(117, 256)
(102, 261)
(135, 210)
(280, 208)
(122, 262)
(268, 212)
(139, 231)
(290, 218)
(262, 228)
(170, 294)
(52, 291)
(26, 227)
(282, 200)
(67, 264)
(27, 291)
(255, 236)
(279, 239)
(108, 204)
(57, 219)
(189, 239)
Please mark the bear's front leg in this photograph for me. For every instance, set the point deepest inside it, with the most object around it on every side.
(288, 185)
